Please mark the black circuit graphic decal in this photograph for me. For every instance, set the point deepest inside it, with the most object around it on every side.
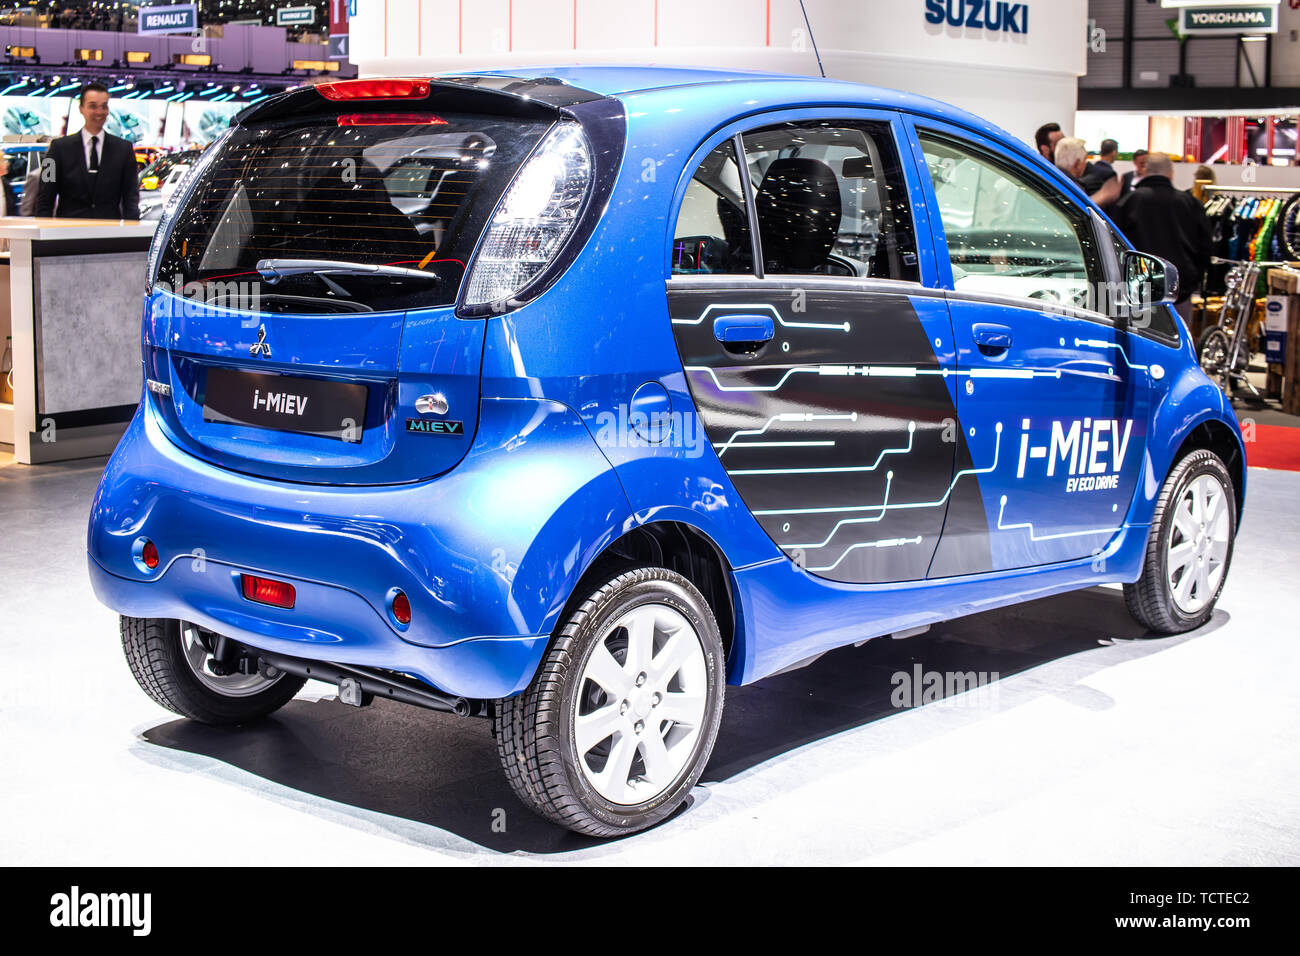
(840, 433)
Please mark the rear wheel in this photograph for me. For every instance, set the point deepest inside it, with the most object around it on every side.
(173, 662)
(617, 726)
(1189, 547)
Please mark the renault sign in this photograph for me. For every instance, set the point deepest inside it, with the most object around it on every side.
(170, 18)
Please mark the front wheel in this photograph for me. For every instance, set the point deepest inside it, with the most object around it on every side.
(1212, 350)
(1189, 547)
(619, 721)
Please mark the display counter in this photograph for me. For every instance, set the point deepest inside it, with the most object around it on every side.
(75, 289)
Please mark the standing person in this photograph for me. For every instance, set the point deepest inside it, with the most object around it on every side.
(1134, 176)
(1106, 156)
(1072, 159)
(32, 184)
(1045, 138)
(1169, 223)
(90, 174)
(1204, 177)
(8, 201)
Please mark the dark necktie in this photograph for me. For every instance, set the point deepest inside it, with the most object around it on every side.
(94, 154)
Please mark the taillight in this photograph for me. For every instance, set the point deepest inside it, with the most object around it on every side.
(391, 119)
(268, 591)
(388, 88)
(536, 216)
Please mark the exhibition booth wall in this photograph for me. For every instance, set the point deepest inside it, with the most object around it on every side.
(1020, 71)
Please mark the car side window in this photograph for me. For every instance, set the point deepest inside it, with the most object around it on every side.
(830, 199)
(1007, 234)
(712, 233)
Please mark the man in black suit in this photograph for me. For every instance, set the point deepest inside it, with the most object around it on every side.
(90, 174)
(1135, 175)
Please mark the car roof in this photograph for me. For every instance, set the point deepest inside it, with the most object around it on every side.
(629, 81)
(621, 81)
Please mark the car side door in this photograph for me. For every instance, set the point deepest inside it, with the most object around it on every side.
(814, 354)
(1049, 398)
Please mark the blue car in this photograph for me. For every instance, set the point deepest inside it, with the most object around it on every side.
(566, 398)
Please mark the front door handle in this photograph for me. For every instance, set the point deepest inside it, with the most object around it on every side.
(744, 329)
(991, 338)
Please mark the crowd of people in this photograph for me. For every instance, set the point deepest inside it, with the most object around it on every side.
(1156, 217)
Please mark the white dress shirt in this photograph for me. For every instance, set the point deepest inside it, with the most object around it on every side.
(99, 145)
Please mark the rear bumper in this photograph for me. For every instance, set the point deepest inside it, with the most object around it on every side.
(487, 554)
(341, 627)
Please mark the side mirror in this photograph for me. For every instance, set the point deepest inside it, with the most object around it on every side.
(1149, 281)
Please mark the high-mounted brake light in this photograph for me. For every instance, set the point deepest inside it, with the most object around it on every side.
(381, 89)
(391, 119)
(267, 591)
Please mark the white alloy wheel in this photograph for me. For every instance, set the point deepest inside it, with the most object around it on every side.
(642, 704)
(1198, 544)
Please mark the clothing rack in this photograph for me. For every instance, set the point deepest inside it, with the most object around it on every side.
(1263, 190)
(1244, 223)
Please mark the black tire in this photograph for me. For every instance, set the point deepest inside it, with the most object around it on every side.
(1150, 599)
(155, 652)
(535, 729)
(1212, 350)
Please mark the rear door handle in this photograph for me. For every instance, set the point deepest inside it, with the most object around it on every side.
(991, 338)
(735, 329)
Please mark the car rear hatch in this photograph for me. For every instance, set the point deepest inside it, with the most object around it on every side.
(301, 318)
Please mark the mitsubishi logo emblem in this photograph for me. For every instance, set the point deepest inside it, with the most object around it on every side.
(261, 346)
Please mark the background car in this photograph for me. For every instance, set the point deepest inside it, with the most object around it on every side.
(565, 398)
(23, 158)
(159, 178)
(144, 155)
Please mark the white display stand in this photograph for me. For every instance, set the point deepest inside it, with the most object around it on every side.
(75, 291)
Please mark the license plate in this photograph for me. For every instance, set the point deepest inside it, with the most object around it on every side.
(286, 403)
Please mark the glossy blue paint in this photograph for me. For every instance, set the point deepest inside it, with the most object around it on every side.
(491, 550)
(489, 537)
(398, 356)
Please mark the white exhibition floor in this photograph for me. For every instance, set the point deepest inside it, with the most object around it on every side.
(1097, 746)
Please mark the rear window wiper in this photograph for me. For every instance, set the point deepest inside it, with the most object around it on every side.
(275, 269)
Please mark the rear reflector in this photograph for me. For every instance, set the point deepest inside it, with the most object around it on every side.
(266, 591)
(149, 555)
(391, 119)
(401, 608)
(380, 89)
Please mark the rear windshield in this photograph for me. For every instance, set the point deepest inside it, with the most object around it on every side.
(367, 189)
